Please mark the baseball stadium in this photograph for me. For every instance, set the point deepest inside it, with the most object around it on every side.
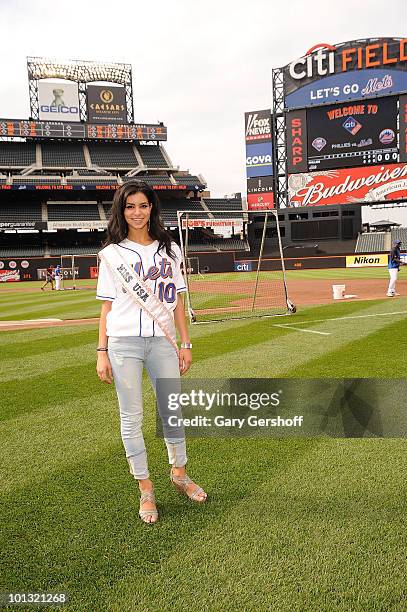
(284, 282)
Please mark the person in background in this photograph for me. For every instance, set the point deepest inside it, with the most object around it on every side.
(49, 278)
(394, 267)
(58, 277)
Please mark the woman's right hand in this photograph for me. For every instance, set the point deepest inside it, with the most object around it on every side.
(104, 368)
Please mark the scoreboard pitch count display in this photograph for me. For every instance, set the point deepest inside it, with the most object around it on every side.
(352, 134)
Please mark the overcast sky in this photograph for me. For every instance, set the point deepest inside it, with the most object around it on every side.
(197, 66)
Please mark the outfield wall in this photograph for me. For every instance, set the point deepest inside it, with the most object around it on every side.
(33, 268)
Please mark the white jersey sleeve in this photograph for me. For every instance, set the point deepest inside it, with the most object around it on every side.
(179, 279)
(106, 287)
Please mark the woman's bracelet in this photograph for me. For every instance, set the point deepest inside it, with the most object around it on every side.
(186, 345)
(103, 350)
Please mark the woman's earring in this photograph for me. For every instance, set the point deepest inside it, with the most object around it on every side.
(148, 225)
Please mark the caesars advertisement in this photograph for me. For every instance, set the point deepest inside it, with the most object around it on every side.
(58, 101)
(259, 159)
(106, 104)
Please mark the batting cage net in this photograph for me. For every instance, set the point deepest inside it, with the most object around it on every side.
(70, 269)
(233, 263)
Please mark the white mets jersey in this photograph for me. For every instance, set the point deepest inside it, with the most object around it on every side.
(158, 270)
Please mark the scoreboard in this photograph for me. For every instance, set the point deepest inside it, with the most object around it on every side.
(347, 135)
(81, 131)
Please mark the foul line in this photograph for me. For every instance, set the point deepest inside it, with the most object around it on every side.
(309, 331)
(313, 331)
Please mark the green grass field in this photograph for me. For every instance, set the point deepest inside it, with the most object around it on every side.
(290, 525)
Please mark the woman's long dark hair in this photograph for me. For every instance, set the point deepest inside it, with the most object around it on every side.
(117, 227)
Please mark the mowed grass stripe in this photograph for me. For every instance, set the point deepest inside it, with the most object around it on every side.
(377, 354)
(22, 311)
(51, 341)
(54, 386)
(26, 338)
(80, 526)
(326, 533)
(36, 365)
(278, 356)
(36, 445)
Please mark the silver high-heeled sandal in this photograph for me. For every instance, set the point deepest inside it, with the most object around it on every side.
(181, 483)
(147, 496)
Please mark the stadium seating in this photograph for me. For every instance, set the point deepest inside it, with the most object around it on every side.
(70, 212)
(169, 209)
(189, 180)
(201, 247)
(37, 180)
(150, 179)
(216, 204)
(152, 156)
(400, 233)
(21, 252)
(17, 154)
(113, 155)
(63, 155)
(372, 242)
(75, 250)
(89, 172)
(20, 212)
(94, 179)
(233, 244)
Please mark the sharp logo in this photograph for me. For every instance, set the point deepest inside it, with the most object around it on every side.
(258, 127)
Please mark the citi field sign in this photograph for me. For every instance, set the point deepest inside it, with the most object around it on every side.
(352, 70)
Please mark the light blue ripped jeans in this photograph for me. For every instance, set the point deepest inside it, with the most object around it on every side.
(128, 356)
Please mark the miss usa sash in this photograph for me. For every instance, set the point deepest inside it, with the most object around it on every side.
(140, 292)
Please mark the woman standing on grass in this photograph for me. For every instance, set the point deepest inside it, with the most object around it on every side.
(136, 329)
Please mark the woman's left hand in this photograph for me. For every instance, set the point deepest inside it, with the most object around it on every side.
(185, 360)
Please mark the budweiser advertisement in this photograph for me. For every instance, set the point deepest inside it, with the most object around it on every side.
(349, 185)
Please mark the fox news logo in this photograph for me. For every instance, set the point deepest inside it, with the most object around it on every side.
(258, 126)
(352, 125)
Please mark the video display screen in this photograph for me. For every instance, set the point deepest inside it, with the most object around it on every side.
(353, 134)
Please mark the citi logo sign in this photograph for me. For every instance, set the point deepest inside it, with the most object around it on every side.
(243, 266)
(352, 125)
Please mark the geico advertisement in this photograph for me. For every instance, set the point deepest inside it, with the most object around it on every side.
(58, 101)
(366, 261)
